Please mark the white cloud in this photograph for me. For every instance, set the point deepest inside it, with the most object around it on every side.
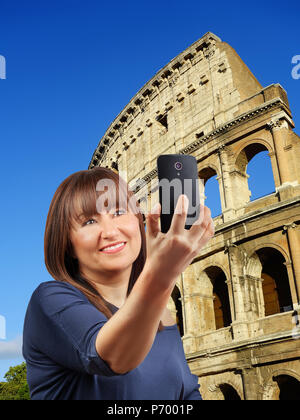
(11, 349)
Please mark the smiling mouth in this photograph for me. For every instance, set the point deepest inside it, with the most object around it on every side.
(113, 249)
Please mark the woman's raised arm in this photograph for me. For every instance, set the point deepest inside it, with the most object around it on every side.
(127, 337)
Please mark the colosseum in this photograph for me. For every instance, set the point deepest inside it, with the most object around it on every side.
(237, 304)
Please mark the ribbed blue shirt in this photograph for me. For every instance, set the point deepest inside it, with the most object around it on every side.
(59, 336)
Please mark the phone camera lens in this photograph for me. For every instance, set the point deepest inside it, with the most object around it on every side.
(178, 166)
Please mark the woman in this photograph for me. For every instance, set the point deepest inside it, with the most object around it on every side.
(101, 329)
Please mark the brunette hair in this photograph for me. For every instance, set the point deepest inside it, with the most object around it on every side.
(78, 192)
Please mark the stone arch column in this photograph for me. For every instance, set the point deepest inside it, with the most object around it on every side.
(293, 236)
(246, 287)
(271, 392)
(226, 184)
(192, 301)
(237, 269)
(256, 306)
(250, 383)
(240, 181)
(279, 130)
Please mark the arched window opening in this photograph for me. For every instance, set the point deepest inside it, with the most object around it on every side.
(229, 393)
(221, 303)
(270, 295)
(218, 312)
(289, 388)
(211, 191)
(253, 174)
(215, 299)
(276, 288)
(114, 167)
(261, 179)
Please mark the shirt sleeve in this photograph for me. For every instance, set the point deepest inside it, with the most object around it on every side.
(63, 325)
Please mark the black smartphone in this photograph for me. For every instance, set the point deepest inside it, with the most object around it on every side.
(177, 174)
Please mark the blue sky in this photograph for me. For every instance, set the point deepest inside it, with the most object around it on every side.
(71, 68)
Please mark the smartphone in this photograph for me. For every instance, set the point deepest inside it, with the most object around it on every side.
(177, 174)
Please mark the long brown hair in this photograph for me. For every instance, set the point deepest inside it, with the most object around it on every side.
(78, 191)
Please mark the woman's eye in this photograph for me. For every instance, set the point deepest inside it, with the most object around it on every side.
(91, 221)
(88, 222)
(120, 210)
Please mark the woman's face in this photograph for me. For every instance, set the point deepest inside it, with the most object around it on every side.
(89, 237)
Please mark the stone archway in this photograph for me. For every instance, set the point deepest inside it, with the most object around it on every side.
(229, 392)
(268, 263)
(289, 387)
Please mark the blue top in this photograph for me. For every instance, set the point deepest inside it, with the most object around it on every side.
(60, 331)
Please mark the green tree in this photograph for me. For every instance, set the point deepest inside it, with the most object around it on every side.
(16, 387)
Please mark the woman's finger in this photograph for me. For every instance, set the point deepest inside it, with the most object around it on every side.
(179, 216)
(200, 225)
(152, 220)
(207, 235)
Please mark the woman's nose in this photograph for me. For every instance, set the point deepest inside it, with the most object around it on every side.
(108, 226)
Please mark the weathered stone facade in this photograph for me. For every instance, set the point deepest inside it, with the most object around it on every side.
(237, 304)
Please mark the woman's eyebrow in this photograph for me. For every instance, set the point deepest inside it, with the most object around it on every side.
(83, 216)
(79, 218)
(109, 208)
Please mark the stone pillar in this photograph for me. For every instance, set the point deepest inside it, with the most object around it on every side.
(234, 291)
(189, 309)
(229, 285)
(250, 384)
(279, 130)
(254, 300)
(226, 186)
(293, 233)
(236, 183)
(206, 314)
(292, 283)
(239, 293)
(194, 320)
(270, 392)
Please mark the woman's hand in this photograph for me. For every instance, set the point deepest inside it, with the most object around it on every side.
(169, 254)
